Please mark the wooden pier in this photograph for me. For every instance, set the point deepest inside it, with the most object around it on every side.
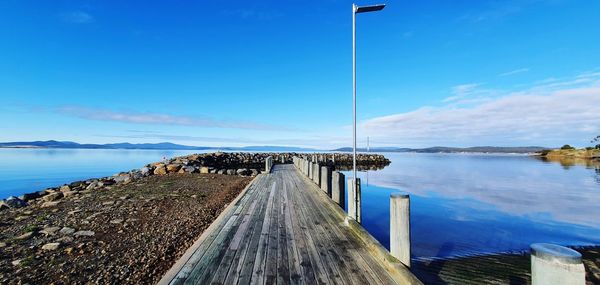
(283, 229)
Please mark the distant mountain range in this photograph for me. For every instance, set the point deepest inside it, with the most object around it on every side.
(157, 146)
(441, 149)
(172, 146)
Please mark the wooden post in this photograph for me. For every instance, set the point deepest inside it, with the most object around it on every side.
(554, 264)
(268, 164)
(400, 227)
(326, 180)
(310, 170)
(354, 199)
(317, 174)
(338, 191)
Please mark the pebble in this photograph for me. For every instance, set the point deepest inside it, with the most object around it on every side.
(116, 221)
(20, 218)
(50, 230)
(50, 204)
(26, 235)
(2, 244)
(74, 212)
(16, 262)
(51, 246)
(67, 231)
(84, 233)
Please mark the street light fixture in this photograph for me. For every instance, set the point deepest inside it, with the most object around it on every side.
(356, 10)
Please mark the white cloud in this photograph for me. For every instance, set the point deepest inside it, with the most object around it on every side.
(77, 17)
(513, 72)
(160, 119)
(561, 111)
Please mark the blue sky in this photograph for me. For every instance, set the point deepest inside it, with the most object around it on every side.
(230, 73)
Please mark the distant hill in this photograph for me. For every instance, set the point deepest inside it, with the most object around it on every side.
(441, 149)
(156, 146)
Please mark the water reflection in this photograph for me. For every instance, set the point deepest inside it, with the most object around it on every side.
(486, 203)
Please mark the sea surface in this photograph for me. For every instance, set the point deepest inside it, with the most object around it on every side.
(461, 204)
(470, 204)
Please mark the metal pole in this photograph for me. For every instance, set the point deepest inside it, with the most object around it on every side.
(354, 94)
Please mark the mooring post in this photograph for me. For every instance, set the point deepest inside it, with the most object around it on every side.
(268, 164)
(326, 180)
(354, 199)
(317, 174)
(400, 227)
(555, 264)
(338, 188)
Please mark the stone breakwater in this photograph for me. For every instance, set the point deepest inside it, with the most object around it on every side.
(241, 163)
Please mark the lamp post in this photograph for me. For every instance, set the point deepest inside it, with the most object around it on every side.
(356, 10)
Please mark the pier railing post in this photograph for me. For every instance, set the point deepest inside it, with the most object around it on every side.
(338, 188)
(268, 164)
(310, 170)
(400, 227)
(354, 199)
(316, 174)
(554, 264)
(326, 180)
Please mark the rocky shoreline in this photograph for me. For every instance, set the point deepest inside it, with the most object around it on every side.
(240, 163)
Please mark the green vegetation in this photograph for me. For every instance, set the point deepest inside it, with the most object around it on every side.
(567, 147)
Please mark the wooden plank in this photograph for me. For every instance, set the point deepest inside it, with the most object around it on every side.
(243, 273)
(258, 272)
(292, 248)
(318, 240)
(271, 257)
(283, 266)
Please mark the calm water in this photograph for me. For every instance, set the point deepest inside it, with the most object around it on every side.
(460, 204)
(28, 170)
(465, 204)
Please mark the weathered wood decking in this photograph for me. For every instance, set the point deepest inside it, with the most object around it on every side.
(284, 229)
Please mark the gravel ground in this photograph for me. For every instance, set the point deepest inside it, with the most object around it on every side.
(127, 234)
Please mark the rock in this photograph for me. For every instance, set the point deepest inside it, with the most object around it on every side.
(171, 168)
(66, 231)
(50, 231)
(92, 186)
(69, 193)
(230, 172)
(26, 235)
(53, 196)
(254, 172)
(16, 262)
(116, 221)
(3, 205)
(50, 204)
(222, 171)
(108, 203)
(160, 170)
(146, 171)
(51, 246)
(15, 202)
(74, 212)
(204, 169)
(65, 188)
(243, 171)
(20, 218)
(2, 244)
(213, 170)
(84, 233)
(189, 169)
(30, 196)
(65, 239)
(122, 178)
